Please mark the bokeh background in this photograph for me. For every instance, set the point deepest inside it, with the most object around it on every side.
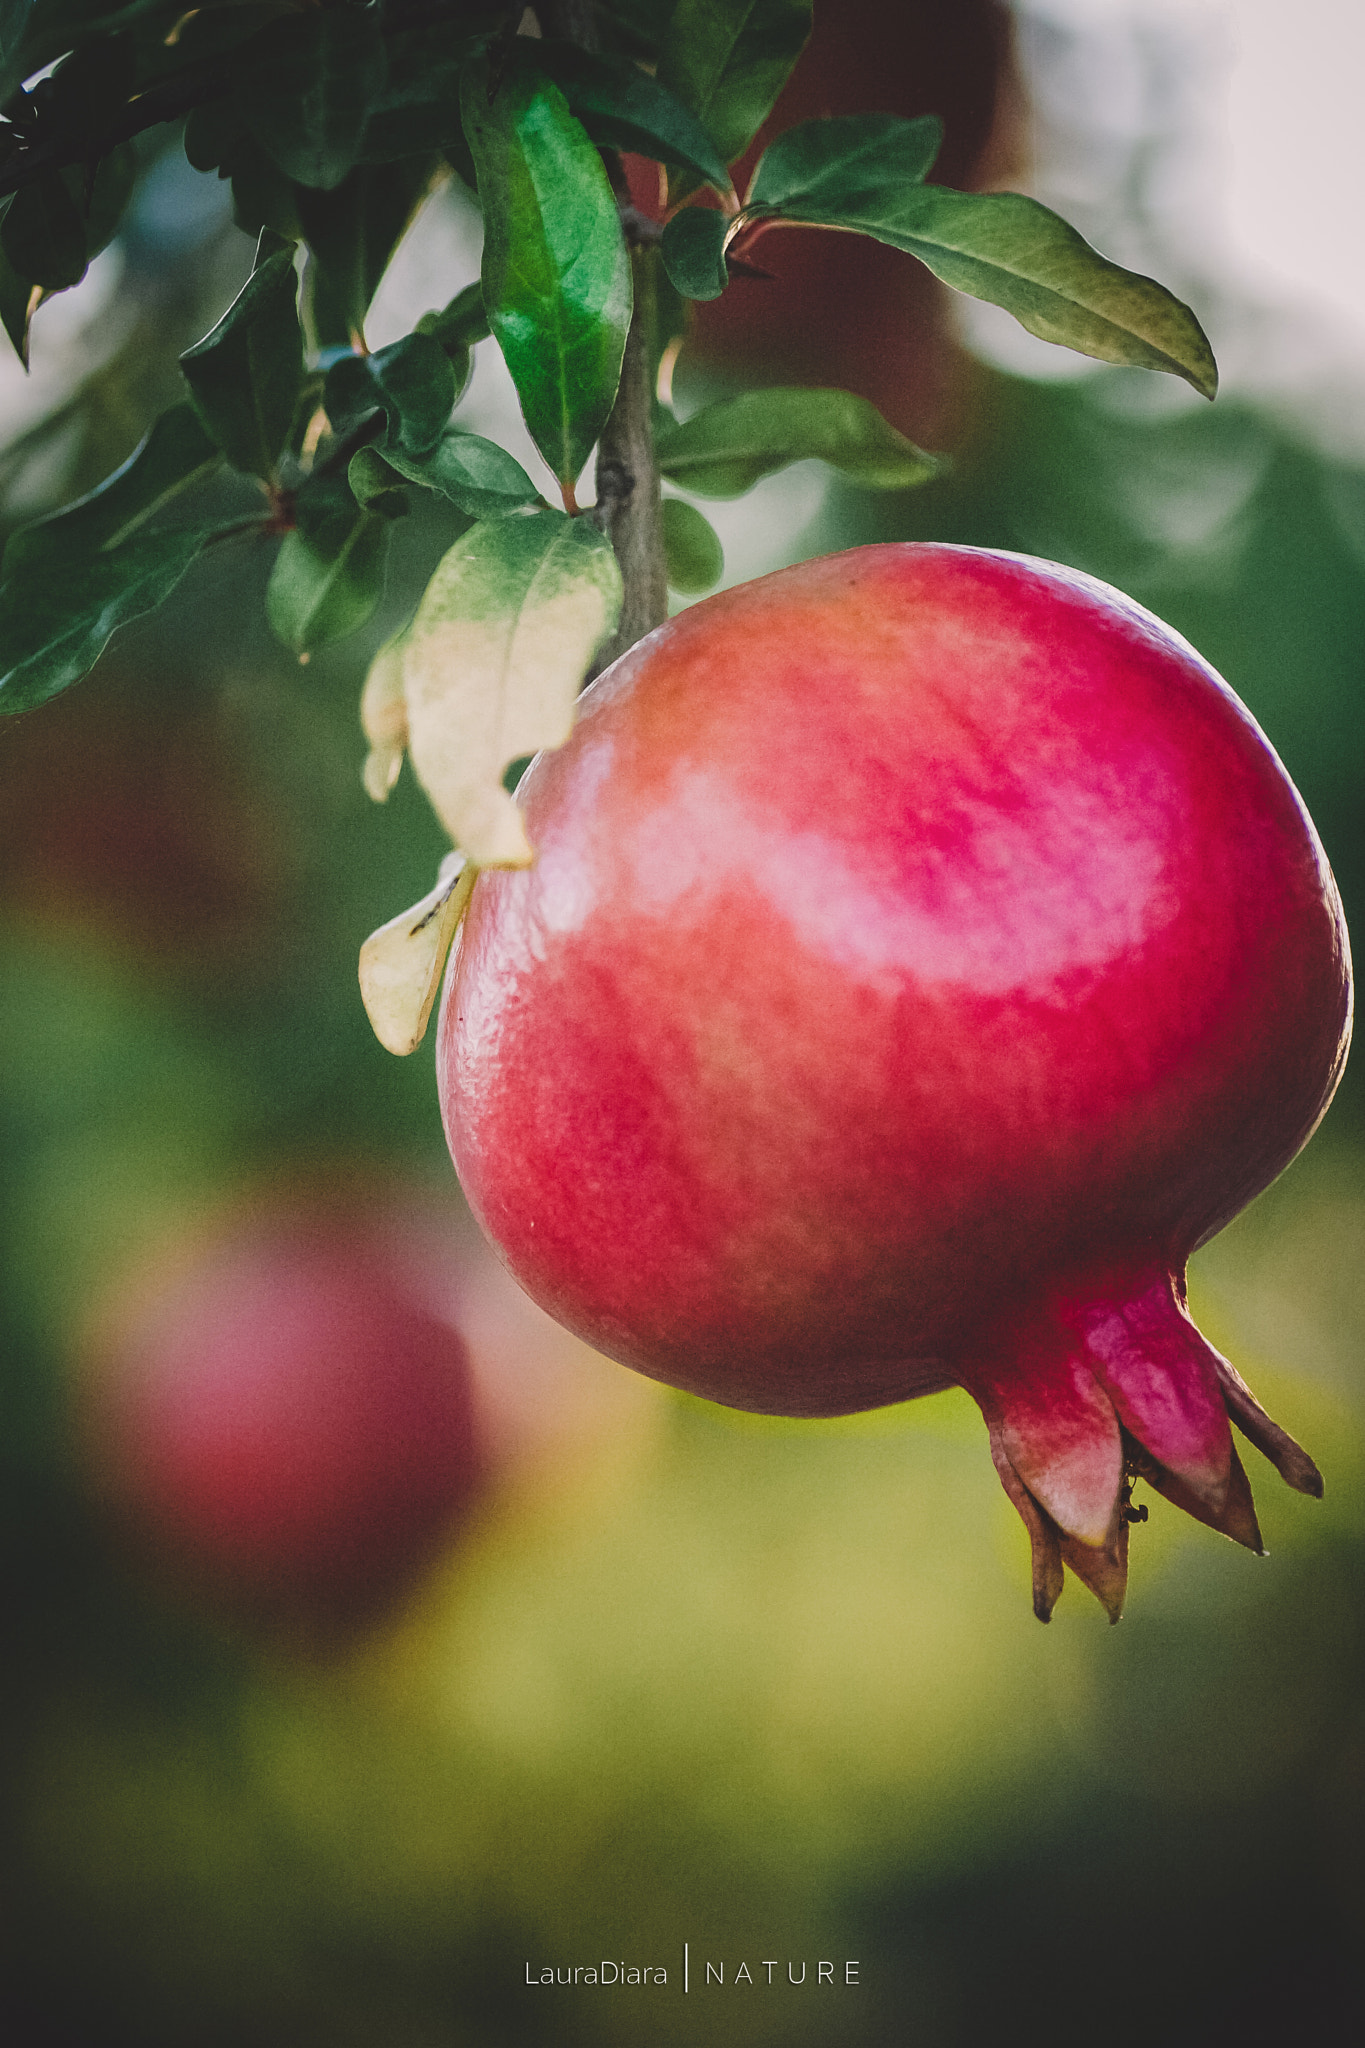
(771, 1690)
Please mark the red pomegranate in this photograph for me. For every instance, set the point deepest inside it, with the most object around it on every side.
(925, 952)
(285, 1424)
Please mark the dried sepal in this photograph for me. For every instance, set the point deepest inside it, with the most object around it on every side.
(384, 719)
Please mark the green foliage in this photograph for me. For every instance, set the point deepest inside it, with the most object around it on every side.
(556, 271)
(411, 383)
(693, 250)
(329, 573)
(695, 557)
(724, 449)
(244, 376)
(851, 169)
(351, 232)
(866, 174)
(624, 108)
(331, 124)
(727, 60)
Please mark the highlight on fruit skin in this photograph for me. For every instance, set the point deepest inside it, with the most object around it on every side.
(925, 953)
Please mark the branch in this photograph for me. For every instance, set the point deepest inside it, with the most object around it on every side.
(628, 498)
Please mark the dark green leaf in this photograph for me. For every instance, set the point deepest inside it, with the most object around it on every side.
(352, 232)
(244, 377)
(176, 453)
(262, 196)
(43, 233)
(327, 582)
(375, 485)
(693, 249)
(460, 324)
(418, 107)
(211, 133)
(624, 108)
(16, 306)
(1012, 252)
(476, 475)
(556, 270)
(311, 93)
(728, 60)
(411, 383)
(696, 559)
(850, 168)
(724, 449)
(56, 618)
(115, 176)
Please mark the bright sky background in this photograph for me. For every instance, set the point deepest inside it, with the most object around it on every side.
(1253, 184)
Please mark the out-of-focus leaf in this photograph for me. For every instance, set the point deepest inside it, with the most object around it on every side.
(493, 664)
(418, 106)
(849, 168)
(244, 376)
(693, 249)
(692, 549)
(401, 963)
(624, 108)
(352, 231)
(328, 578)
(115, 176)
(57, 617)
(728, 60)
(175, 454)
(556, 270)
(43, 233)
(311, 92)
(724, 449)
(411, 383)
(476, 475)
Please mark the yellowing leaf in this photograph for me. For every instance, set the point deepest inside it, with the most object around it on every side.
(493, 663)
(401, 963)
(384, 720)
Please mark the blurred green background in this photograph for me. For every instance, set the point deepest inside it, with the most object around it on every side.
(771, 1690)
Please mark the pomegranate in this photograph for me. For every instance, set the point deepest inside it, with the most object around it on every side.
(925, 952)
(284, 1424)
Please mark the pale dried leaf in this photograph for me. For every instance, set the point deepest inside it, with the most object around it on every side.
(493, 663)
(401, 963)
(384, 719)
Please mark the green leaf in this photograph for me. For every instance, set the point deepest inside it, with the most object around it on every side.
(311, 92)
(1015, 253)
(478, 476)
(728, 60)
(417, 109)
(624, 108)
(493, 663)
(352, 232)
(327, 581)
(695, 557)
(851, 168)
(175, 454)
(43, 233)
(244, 376)
(556, 270)
(115, 176)
(693, 249)
(56, 619)
(411, 382)
(262, 196)
(460, 324)
(16, 306)
(375, 486)
(724, 449)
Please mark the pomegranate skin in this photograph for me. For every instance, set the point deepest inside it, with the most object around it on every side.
(924, 953)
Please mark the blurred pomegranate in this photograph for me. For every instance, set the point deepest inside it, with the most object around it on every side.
(283, 1422)
(925, 953)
